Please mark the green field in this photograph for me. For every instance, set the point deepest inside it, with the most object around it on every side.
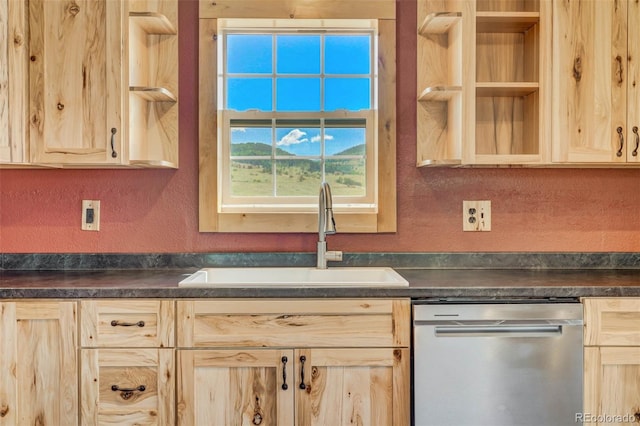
(256, 180)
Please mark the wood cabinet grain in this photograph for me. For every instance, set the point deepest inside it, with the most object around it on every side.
(285, 362)
(612, 360)
(39, 379)
(596, 76)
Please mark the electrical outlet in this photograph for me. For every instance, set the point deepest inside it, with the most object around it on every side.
(476, 215)
(90, 215)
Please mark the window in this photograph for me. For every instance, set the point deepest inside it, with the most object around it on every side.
(297, 107)
(264, 152)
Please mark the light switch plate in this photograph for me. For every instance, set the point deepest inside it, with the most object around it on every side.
(90, 215)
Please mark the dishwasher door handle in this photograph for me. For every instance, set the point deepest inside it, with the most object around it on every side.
(499, 330)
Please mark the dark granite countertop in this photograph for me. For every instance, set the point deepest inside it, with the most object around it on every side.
(424, 284)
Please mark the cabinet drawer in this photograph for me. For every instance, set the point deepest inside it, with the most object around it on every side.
(612, 322)
(127, 386)
(127, 323)
(294, 322)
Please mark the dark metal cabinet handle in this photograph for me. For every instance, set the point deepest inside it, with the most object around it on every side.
(116, 323)
(284, 373)
(114, 154)
(635, 132)
(127, 393)
(302, 360)
(621, 136)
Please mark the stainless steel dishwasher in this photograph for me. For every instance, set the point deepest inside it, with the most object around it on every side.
(497, 364)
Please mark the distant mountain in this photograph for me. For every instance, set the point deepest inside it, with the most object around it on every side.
(262, 149)
(354, 150)
(255, 149)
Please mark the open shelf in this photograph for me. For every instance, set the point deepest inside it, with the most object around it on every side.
(153, 84)
(153, 23)
(506, 22)
(439, 93)
(505, 89)
(439, 22)
(153, 94)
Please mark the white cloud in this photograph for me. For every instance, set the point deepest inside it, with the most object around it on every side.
(238, 129)
(317, 138)
(294, 137)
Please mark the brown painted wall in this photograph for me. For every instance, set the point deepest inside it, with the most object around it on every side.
(588, 210)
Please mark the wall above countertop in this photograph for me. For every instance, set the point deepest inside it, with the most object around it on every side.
(156, 211)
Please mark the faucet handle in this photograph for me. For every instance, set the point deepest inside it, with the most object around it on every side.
(334, 256)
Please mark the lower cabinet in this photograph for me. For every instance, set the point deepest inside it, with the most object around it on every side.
(612, 361)
(127, 386)
(286, 362)
(38, 364)
(205, 362)
(292, 386)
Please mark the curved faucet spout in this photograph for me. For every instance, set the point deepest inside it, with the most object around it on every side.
(326, 226)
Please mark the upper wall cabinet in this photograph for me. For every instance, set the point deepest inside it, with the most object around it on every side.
(596, 106)
(75, 76)
(89, 83)
(14, 101)
(483, 82)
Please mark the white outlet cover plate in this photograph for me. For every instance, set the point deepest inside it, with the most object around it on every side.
(478, 221)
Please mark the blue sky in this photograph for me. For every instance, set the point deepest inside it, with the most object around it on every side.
(296, 60)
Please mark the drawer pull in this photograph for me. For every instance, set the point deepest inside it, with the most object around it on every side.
(621, 137)
(285, 386)
(127, 393)
(302, 360)
(116, 323)
(114, 154)
(635, 132)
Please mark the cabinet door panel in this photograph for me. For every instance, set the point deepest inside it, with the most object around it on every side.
(590, 100)
(612, 322)
(353, 386)
(128, 369)
(235, 387)
(612, 383)
(14, 82)
(37, 344)
(75, 78)
(633, 82)
(122, 323)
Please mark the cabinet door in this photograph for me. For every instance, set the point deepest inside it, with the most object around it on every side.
(39, 378)
(633, 82)
(612, 385)
(75, 80)
(127, 386)
(590, 80)
(235, 387)
(13, 82)
(352, 386)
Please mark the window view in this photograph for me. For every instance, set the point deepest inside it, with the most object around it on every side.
(297, 108)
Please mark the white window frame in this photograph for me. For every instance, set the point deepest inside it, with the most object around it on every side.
(227, 203)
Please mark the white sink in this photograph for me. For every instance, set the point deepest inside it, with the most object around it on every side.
(295, 277)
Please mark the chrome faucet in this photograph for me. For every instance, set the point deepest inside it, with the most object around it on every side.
(326, 226)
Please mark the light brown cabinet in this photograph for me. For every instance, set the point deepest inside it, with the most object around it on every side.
(127, 362)
(14, 96)
(39, 379)
(89, 84)
(612, 360)
(75, 77)
(293, 362)
(484, 82)
(596, 105)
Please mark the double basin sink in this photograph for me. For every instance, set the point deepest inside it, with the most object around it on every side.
(295, 277)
